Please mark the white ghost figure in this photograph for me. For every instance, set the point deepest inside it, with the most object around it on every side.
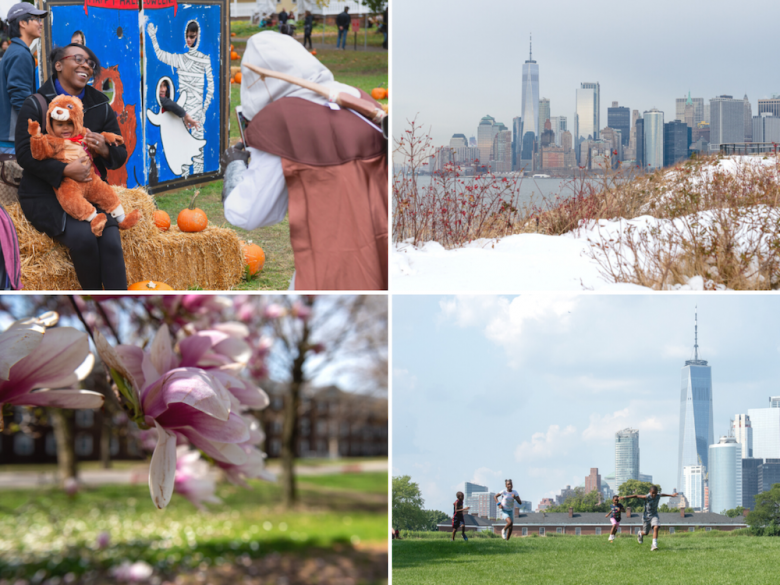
(179, 146)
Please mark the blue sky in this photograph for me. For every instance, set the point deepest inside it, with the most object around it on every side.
(534, 387)
(455, 61)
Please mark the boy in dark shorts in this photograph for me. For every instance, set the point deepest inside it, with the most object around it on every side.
(457, 517)
(614, 515)
(650, 517)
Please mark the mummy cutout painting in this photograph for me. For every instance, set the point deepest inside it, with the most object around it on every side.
(195, 80)
(179, 146)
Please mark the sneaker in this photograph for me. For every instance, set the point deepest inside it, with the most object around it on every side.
(503, 533)
(654, 547)
(639, 538)
(466, 538)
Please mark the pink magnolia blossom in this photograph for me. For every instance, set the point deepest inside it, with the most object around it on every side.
(179, 398)
(193, 480)
(274, 311)
(34, 359)
(129, 572)
(103, 540)
(301, 311)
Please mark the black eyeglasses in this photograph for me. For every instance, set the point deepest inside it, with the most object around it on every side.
(81, 60)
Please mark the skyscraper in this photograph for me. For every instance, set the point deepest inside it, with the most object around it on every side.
(693, 486)
(748, 120)
(750, 485)
(485, 138)
(586, 115)
(530, 96)
(677, 139)
(517, 140)
(626, 456)
(769, 105)
(766, 430)
(727, 120)
(743, 433)
(640, 142)
(458, 140)
(698, 109)
(619, 118)
(502, 151)
(654, 139)
(544, 113)
(696, 429)
(725, 475)
(766, 128)
(558, 125)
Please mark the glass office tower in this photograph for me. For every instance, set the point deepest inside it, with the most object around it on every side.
(530, 97)
(766, 429)
(626, 456)
(696, 429)
(485, 138)
(654, 140)
(725, 473)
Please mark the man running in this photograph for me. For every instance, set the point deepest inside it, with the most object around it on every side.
(507, 506)
(650, 516)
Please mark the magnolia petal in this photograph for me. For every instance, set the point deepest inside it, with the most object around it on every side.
(191, 386)
(53, 362)
(162, 469)
(256, 434)
(193, 348)
(69, 398)
(132, 357)
(247, 394)
(19, 340)
(161, 352)
(112, 359)
(225, 452)
(233, 430)
(237, 350)
(234, 329)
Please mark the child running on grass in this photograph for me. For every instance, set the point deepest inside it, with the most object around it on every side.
(457, 517)
(650, 516)
(614, 515)
(507, 506)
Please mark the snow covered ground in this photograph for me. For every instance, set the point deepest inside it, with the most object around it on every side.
(534, 262)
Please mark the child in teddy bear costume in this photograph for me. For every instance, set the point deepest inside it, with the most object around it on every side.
(64, 142)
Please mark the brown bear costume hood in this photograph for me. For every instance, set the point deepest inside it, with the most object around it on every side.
(66, 107)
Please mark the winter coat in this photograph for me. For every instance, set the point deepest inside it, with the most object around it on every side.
(17, 82)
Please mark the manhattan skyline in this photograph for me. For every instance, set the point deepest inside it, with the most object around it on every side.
(535, 387)
(643, 59)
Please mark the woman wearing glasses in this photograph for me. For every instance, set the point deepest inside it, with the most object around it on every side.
(98, 261)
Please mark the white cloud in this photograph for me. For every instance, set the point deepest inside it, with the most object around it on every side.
(504, 321)
(604, 427)
(555, 442)
(488, 477)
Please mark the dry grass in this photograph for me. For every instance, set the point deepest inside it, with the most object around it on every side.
(209, 260)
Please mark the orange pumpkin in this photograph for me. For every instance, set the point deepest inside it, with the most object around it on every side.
(232, 34)
(162, 220)
(379, 93)
(231, 47)
(149, 285)
(314, 52)
(237, 77)
(233, 55)
(254, 257)
(192, 219)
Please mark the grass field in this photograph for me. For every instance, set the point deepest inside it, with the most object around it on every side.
(47, 533)
(706, 557)
(364, 70)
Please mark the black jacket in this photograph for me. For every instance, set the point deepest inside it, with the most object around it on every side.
(343, 19)
(41, 177)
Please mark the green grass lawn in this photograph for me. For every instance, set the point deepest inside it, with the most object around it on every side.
(44, 530)
(364, 70)
(706, 557)
(243, 29)
(371, 482)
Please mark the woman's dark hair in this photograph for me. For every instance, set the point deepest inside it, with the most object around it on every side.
(57, 53)
(81, 34)
(13, 25)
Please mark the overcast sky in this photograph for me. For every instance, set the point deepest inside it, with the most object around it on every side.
(534, 387)
(455, 61)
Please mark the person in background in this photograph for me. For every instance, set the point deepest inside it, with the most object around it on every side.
(283, 17)
(385, 28)
(308, 26)
(343, 21)
(4, 44)
(17, 68)
(458, 521)
(78, 38)
(171, 106)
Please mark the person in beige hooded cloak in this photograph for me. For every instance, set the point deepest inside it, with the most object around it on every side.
(325, 165)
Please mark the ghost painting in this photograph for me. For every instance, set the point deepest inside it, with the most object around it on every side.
(196, 82)
(180, 148)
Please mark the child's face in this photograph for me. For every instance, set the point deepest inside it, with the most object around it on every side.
(63, 129)
(615, 500)
(163, 90)
(509, 485)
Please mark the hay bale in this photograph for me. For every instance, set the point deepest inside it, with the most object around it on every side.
(211, 259)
